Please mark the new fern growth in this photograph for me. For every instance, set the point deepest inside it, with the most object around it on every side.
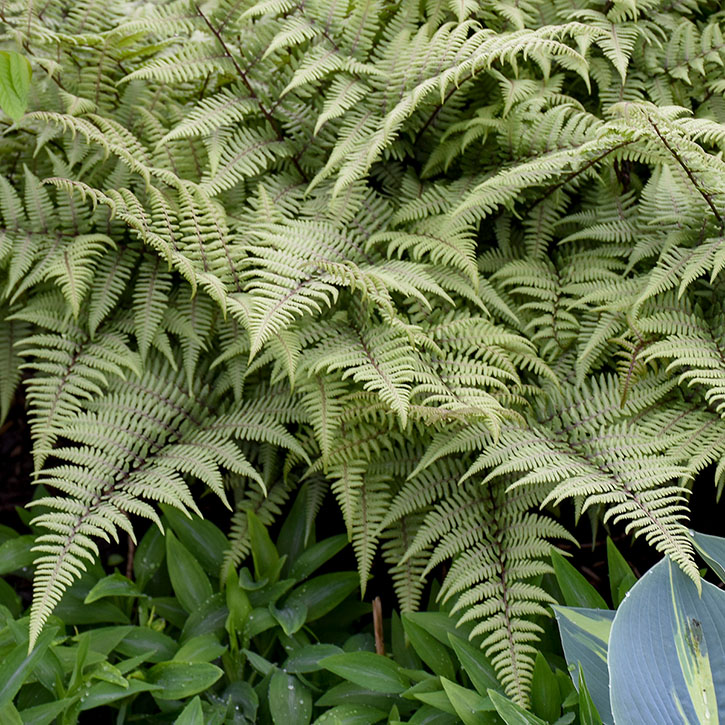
(457, 263)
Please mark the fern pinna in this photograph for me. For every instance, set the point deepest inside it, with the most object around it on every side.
(458, 263)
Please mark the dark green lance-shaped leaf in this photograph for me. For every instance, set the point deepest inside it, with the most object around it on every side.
(182, 679)
(104, 693)
(323, 593)
(440, 625)
(577, 591)
(200, 536)
(307, 658)
(19, 663)
(510, 712)
(9, 598)
(190, 583)
(352, 715)
(291, 617)
(149, 556)
(476, 665)
(203, 648)
(295, 530)
(585, 639)
(429, 649)
(264, 552)
(621, 576)
(209, 618)
(469, 705)
(347, 692)
(711, 549)
(428, 715)
(238, 604)
(146, 641)
(313, 558)
(192, 714)
(46, 713)
(588, 714)
(16, 554)
(114, 585)
(15, 75)
(545, 696)
(367, 669)
(289, 700)
(666, 657)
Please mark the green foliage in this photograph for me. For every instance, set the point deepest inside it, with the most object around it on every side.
(172, 645)
(457, 263)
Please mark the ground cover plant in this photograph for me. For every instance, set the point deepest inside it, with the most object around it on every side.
(455, 263)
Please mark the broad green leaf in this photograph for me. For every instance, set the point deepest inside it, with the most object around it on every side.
(203, 648)
(289, 700)
(190, 583)
(104, 693)
(200, 536)
(440, 625)
(428, 715)
(545, 696)
(323, 593)
(210, 618)
(429, 649)
(182, 679)
(666, 657)
(114, 585)
(347, 692)
(295, 530)
(712, 550)
(16, 553)
(351, 715)
(144, 640)
(577, 591)
(621, 576)
(588, 714)
(264, 552)
(238, 605)
(192, 714)
(149, 556)
(290, 617)
(476, 665)
(9, 715)
(44, 714)
(510, 712)
(19, 663)
(469, 705)
(15, 75)
(307, 658)
(367, 669)
(313, 558)
(585, 638)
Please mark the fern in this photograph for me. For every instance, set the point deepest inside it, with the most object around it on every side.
(457, 263)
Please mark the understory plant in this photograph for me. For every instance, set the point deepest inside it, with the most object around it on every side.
(457, 263)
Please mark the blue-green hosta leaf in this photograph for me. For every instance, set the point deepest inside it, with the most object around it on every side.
(585, 637)
(15, 75)
(666, 654)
